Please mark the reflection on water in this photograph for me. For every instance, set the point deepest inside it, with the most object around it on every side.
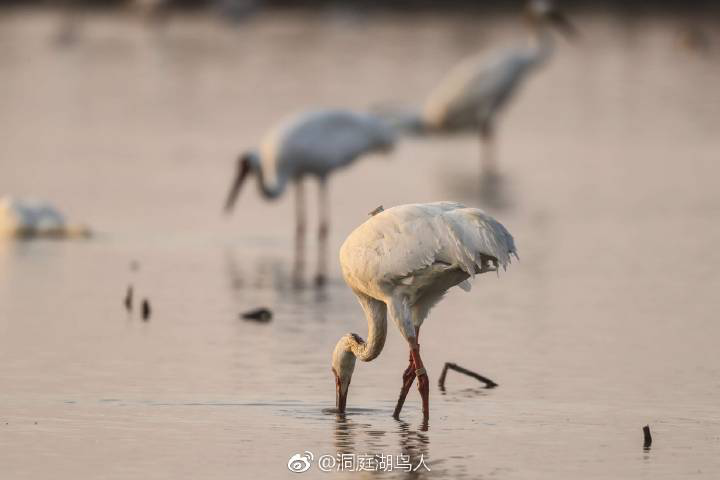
(609, 169)
(354, 436)
(414, 442)
(344, 436)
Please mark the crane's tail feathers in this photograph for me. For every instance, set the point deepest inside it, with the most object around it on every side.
(484, 248)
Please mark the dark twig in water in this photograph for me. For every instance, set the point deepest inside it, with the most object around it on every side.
(146, 311)
(129, 298)
(648, 438)
(261, 314)
(452, 366)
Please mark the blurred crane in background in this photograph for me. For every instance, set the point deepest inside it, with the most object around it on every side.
(26, 219)
(473, 94)
(311, 144)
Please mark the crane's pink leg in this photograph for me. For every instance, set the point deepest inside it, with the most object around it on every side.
(323, 229)
(423, 382)
(299, 269)
(408, 379)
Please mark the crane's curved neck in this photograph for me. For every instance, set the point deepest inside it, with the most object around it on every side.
(543, 44)
(367, 350)
(267, 190)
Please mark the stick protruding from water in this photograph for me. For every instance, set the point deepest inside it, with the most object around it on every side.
(647, 442)
(128, 301)
(452, 366)
(262, 315)
(146, 310)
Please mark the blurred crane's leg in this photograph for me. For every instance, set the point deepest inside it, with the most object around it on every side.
(300, 227)
(491, 186)
(323, 230)
(488, 162)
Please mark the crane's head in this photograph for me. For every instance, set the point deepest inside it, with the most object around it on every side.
(547, 12)
(343, 365)
(244, 167)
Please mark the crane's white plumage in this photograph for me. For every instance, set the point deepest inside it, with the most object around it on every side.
(474, 91)
(311, 144)
(316, 143)
(400, 263)
(473, 94)
(405, 247)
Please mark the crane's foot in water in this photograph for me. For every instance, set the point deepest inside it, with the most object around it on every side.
(408, 379)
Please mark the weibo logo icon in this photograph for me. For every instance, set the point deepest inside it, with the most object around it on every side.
(300, 463)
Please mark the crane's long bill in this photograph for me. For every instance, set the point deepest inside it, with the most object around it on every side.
(563, 24)
(235, 189)
(340, 396)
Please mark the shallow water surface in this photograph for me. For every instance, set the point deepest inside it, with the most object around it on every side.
(608, 322)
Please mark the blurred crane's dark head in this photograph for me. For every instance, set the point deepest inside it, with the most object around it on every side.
(546, 11)
(243, 168)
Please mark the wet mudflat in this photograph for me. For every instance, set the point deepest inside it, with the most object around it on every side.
(608, 322)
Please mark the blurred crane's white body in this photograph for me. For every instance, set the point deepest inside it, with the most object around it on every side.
(318, 143)
(471, 95)
(311, 144)
(400, 263)
(475, 91)
(28, 219)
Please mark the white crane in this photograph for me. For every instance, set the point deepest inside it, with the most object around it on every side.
(312, 144)
(400, 263)
(474, 92)
(33, 219)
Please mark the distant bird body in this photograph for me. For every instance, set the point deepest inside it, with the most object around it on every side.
(472, 95)
(400, 263)
(31, 219)
(316, 144)
(476, 90)
(311, 144)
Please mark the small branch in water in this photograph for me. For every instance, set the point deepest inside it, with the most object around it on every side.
(129, 298)
(146, 309)
(452, 366)
(648, 438)
(261, 314)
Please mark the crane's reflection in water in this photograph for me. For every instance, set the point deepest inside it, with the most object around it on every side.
(271, 272)
(356, 437)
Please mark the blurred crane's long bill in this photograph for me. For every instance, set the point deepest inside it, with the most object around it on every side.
(563, 24)
(235, 188)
